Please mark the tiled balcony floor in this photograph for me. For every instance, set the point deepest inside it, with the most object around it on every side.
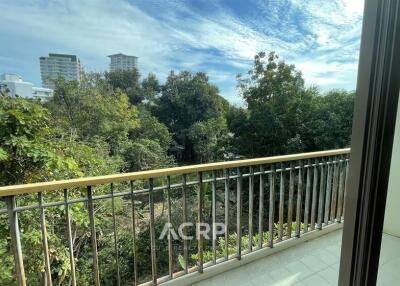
(315, 262)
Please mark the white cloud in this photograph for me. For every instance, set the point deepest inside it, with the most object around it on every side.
(323, 43)
(353, 7)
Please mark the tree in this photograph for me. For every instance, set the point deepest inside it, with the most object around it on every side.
(270, 80)
(151, 128)
(278, 105)
(210, 139)
(128, 82)
(238, 123)
(27, 151)
(31, 151)
(92, 109)
(100, 112)
(332, 120)
(283, 115)
(145, 154)
(150, 87)
(188, 98)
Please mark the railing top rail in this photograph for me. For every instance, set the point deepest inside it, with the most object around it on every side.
(98, 180)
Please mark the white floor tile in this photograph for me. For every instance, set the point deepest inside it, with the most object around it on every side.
(298, 270)
(315, 280)
(314, 263)
(327, 257)
(264, 279)
(280, 274)
(330, 275)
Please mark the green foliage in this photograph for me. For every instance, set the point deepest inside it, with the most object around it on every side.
(145, 154)
(181, 261)
(151, 128)
(6, 260)
(95, 110)
(283, 116)
(186, 99)
(150, 87)
(210, 139)
(144, 249)
(91, 108)
(332, 120)
(28, 151)
(88, 128)
(245, 243)
(92, 158)
(127, 82)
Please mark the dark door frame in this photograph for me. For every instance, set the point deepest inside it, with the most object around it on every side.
(374, 122)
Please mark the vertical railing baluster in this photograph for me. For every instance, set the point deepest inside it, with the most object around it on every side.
(299, 204)
(321, 195)
(45, 245)
(261, 208)
(341, 191)
(69, 237)
(170, 248)
(271, 205)
(96, 274)
(281, 202)
(308, 197)
(330, 167)
(335, 190)
(314, 196)
(226, 185)
(114, 224)
(152, 233)
(251, 206)
(200, 207)
(214, 209)
(135, 272)
(345, 188)
(290, 203)
(239, 184)
(16, 241)
(185, 218)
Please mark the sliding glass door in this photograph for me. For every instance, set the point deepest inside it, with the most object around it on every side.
(372, 142)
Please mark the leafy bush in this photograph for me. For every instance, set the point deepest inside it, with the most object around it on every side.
(245, 240)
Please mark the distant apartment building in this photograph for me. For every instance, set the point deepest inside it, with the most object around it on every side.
(56, 65)
(42, 93)
(14, 85)
(121, 62)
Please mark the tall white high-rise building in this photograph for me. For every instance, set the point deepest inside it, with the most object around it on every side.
(56, 65)
(121, 62)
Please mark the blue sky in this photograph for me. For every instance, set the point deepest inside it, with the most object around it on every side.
(219, 37)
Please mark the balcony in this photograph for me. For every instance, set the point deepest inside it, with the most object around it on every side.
(253, 221)
(315, 262)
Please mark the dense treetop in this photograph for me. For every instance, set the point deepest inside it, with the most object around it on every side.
(140, 124)
(284, 116)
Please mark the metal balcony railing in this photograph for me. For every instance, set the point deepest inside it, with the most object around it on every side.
(260, 202)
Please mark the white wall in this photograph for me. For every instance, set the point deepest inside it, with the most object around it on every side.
(392, 215)
(22, 89)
